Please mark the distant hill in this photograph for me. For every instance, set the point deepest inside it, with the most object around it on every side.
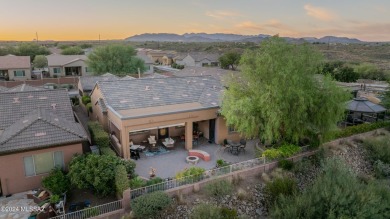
(222, 37)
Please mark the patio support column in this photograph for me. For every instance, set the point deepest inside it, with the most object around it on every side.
(188, 135)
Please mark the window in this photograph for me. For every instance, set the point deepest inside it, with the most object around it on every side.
(19, 73)
(43, 163)
(231, 129)
(57, 70)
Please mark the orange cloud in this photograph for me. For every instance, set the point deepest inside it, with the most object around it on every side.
(319, 13)
(222, 14)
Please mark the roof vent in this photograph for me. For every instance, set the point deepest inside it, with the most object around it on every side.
(147, 88)
(56, 119)
(39, 134)
(214, 103)
(205, 79)
(42, 98)
(53, 106)
(123, 101)
(16, 100)
(24, 121)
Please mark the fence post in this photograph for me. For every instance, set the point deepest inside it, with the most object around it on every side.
(126, 199)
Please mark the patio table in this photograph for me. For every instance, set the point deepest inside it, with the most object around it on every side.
(234, 147)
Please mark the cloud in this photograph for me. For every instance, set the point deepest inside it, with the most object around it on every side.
(319, 13)
(222, 14)
(272, 27)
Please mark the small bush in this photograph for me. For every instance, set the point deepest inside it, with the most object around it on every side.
(378, 148)
(192, 171)
(89, 107)
(54, 199)
(284, 151)
(150, 204)
(382, 169)
(130, 167)
(203, 211)
(85, 99)
(286, 164)
(107, 151)
(279, 186)
(153, 181)
(219, 188)
(56, 182)
(98, 135)
(136, 183)
(121, 180)
(222, 163)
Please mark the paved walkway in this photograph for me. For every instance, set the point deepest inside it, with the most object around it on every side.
(83, 118)
(167, 165)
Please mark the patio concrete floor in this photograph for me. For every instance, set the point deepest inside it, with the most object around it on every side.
(167, 165)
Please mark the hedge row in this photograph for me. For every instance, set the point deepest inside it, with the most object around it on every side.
(98, 135)
(121, 180)
(107, 151)
(357, 129)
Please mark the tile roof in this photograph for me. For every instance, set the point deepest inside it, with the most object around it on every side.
(199, 56)
(153, 75)
(192, 93)
(362, 104)
(60, 60)
(40, 129)
(128, 78)
(88, 82)
(215, 72)
(2, 89)
(23, 87)
(16, 105)
(15, 62)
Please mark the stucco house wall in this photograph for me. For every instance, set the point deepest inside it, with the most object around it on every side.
(12, 172)
(27, 74)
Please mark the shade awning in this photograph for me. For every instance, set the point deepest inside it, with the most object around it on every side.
(363, 105)
(158, 127)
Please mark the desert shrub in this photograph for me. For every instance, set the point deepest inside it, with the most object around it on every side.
(337, 193)
(153, 181)
(56, 182)
(136, 183)
(381, 169)
(196, 172)
(280, 186)
(222, 163)
(85, 99)
(107, 151)
(284, 151)
(219, 188)
(130, 167)
(150, 204)
(98, 135)
(121, 180)
(286, 164)
(378, 148)
(54, 199)
(202, 211)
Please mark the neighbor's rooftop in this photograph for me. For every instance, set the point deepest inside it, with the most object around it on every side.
(15, 62)
(60, 60)
(156, 96)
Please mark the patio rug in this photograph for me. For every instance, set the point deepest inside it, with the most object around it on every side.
(160, 151)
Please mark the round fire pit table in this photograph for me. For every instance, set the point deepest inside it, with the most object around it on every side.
(192, 159)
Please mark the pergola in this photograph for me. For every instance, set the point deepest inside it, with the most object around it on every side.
(362, 110)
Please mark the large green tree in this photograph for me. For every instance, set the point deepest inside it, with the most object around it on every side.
(116, 59)
(279, 96)
(40, 61)
(230, 60)
(31, 49)
(74, 50)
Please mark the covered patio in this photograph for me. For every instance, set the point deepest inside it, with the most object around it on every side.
(361, 110)
(168, 164)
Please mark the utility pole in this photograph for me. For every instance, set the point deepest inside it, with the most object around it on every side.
(36, 35)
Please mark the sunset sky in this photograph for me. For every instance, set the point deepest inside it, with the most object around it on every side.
(118, 19)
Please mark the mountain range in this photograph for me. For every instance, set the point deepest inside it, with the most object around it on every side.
(222, 37)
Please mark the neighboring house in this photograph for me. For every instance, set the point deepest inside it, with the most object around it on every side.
(157, 55)
(168, 58)
(197, 59)
(16, 68)
(67, 65)
(37, 133)
(163, 107)
(217, 73)
(148, 61)
(87, 83)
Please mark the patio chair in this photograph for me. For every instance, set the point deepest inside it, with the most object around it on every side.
(226, 145)
(243, 144)
(152, 140)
